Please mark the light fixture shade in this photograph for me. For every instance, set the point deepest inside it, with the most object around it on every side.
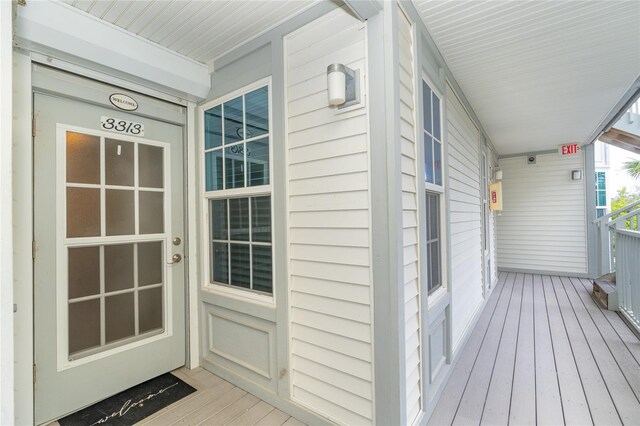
(498, 174)
(336, 80)
(576, 174)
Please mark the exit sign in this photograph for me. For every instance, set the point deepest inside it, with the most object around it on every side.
(569, 149)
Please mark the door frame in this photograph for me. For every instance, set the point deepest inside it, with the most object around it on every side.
(24, 402)
(485, 180)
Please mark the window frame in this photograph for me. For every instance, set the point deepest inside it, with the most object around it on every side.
(604, 190)
(438, 293)
(207, 283)
(601, 207)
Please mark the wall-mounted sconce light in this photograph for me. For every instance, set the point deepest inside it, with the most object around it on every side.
(497, 175)
(344, 85)
(576, 174)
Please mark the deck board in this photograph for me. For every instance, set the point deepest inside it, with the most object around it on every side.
(522, 412)
(543, 352)
(548, 404)
(217, 402)
(622, 394)
(498, 399)
(473, 399)
(601, 405)
(459, 378)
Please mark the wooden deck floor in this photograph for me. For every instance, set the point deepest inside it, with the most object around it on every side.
(217, 402)
(544, 353)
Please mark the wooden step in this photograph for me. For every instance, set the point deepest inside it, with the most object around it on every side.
(604, 291)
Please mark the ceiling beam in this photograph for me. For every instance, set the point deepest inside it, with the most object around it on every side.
(364, 9)
(57, 29)
(621, 139)
(628, 98)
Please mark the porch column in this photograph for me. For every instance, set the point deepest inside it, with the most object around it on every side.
(6, 234)
(386, 199)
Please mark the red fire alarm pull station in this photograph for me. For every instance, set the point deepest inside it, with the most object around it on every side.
(569, 149)
(495, 197)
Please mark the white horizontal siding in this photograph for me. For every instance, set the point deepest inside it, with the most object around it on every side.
(410, 235)
(543, 224)
(329, 227)
(465, 207)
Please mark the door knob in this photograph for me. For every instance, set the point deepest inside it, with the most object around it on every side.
(176, 258)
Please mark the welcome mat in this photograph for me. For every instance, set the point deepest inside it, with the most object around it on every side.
(132, 405)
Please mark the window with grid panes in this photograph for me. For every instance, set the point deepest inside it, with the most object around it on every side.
(601, 194)
(238, 192)
(434, 189)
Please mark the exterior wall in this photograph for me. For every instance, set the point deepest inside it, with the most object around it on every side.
(543, 224)
(6, 225)
(465, 216)
(410, 235)
(445, 318)
(328, 218)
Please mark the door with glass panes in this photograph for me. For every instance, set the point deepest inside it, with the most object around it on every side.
(108, 230)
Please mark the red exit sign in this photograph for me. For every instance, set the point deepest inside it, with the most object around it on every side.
(569, 149)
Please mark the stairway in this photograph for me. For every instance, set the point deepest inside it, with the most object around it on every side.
(604, 291)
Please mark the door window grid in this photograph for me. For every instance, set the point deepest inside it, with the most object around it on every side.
(76, 192)
(237, 156)
(110, 329)
(98, 321)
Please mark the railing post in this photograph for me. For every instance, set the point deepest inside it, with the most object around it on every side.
(604, 261)
(628, 273)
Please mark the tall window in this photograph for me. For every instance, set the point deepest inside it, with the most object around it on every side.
(601, 194)
(237, 168)
(433, 184)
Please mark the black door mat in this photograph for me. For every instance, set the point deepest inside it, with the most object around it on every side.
(132, 405)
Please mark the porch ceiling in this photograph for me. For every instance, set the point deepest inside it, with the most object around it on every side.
(200, 30)
(538, 73)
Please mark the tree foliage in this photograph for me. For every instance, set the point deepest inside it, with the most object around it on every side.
(633, 168)
(622, 199)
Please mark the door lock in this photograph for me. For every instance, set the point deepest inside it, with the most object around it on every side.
(176, 258)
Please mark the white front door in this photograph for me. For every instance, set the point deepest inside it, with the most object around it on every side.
(108, 224)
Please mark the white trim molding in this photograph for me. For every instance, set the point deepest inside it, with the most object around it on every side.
(53, 28)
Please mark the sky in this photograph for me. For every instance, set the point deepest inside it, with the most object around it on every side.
(618, 177)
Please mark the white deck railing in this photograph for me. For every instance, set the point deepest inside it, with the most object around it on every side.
(628, 274)
(626, 218)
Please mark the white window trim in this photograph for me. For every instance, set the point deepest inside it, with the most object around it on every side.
(440, 293)
(205, 196)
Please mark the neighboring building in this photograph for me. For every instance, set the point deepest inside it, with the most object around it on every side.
(603, 197)
(183, 193)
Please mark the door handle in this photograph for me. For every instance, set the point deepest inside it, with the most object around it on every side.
(176, 258)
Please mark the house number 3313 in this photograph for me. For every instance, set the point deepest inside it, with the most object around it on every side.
(121, 126)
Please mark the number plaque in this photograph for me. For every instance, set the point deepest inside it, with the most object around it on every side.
(121, 126)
